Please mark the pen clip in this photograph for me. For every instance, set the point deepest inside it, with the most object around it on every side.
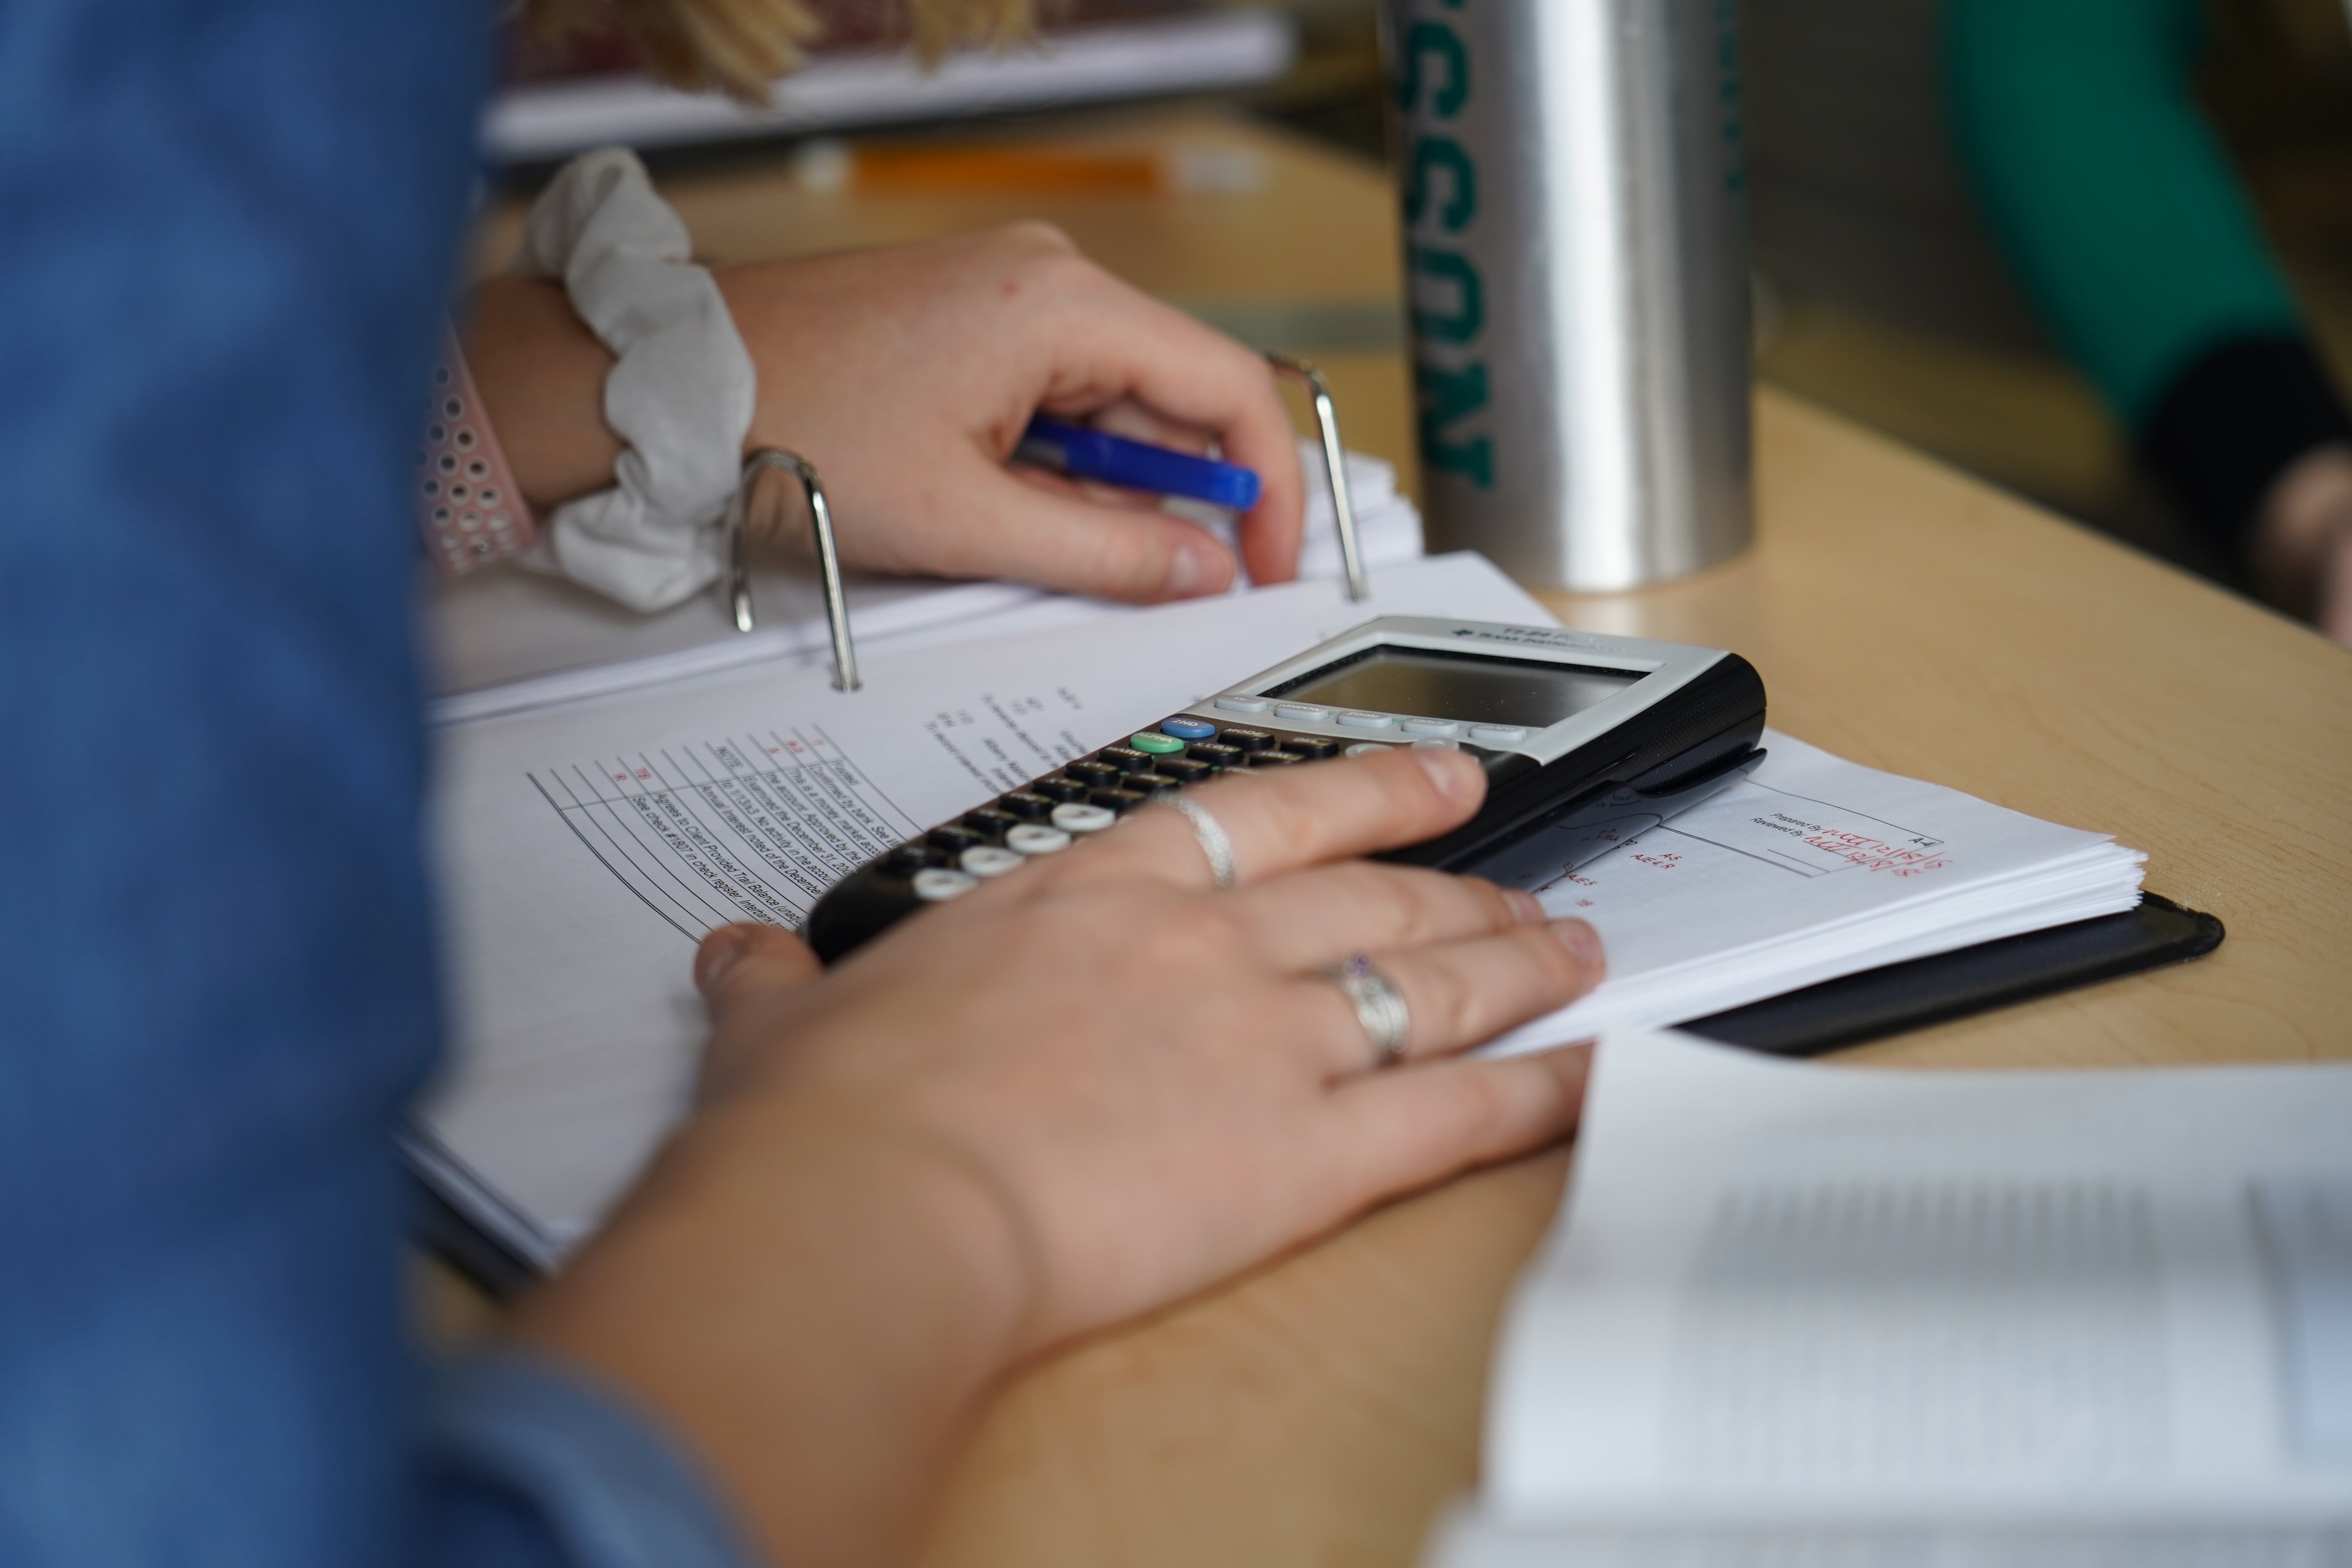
(1335, 464)
(772, 460)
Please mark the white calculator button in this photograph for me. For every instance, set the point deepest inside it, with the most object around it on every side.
(988, 860)
(1241, 704)
(1366, 748)
(1307, 712)
(1031, 839)
(1076, 818)
(1430, 727)
(1366, 721)
(1433, 744)
(1498, 734)
(936, 884)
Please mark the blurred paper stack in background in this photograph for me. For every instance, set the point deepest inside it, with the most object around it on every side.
(589, 90)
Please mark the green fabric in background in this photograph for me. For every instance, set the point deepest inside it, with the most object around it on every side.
(2112, 195)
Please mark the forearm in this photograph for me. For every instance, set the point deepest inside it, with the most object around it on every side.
(540, 373)
(2112, 195)
(860, 1324)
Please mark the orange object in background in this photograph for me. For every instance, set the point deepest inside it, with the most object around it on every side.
(941, 168)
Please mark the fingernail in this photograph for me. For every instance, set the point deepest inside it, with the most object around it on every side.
(1457, 774)
(1525, 908)
(1197, 567)
(1581, 939)
(717, 956)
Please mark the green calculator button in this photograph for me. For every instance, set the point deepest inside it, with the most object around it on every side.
(1158, 745)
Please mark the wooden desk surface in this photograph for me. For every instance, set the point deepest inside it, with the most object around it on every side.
(1323, 1410)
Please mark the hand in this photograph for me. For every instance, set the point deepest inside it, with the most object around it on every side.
(1156, 1082)
(2301, 550)
(1074, 1095)
(906, 375)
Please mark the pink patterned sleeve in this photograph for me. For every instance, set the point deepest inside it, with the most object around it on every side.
(468, 504)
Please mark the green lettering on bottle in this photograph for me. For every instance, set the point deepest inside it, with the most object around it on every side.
(1447, 268)
(1442, 396)
(1432, 155)
(1436, 40)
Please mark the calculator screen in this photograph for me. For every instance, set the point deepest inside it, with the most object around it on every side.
(1474, 688)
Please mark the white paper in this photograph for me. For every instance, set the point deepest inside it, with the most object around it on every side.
(1840, 1315)
(1812, 868)
(585, 850)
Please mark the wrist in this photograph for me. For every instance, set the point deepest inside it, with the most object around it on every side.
(540, 373)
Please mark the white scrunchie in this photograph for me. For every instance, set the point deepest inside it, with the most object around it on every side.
(680, 396)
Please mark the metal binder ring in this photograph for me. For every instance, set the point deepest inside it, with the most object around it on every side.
(828, 559)
(1379, 1007)
(1335, 465)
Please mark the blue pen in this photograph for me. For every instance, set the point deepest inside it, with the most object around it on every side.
(1084, 454)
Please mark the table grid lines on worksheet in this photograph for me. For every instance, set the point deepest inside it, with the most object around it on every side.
(739, 828)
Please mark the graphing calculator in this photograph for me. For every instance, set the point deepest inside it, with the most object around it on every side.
(1587, 739)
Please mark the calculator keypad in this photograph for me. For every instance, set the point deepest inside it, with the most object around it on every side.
(1049, 814)
(908, 858)
(988, 860)
(1121, 801)
(936, 884)
(1029, 839)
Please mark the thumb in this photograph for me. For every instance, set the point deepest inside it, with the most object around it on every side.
(737, 959)
(739, 968)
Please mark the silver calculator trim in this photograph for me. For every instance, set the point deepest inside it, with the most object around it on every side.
(1666, 669)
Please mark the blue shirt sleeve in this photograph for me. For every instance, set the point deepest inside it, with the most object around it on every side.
(228, 230)
(533, 1463)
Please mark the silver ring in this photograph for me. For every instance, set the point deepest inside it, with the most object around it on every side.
(1379, 1008)
(1210, 833)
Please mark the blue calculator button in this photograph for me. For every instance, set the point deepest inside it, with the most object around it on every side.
(1188, 729)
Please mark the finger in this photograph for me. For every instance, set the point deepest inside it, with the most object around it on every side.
(1093, 492)
(1317, 917)
(737, 962)
(1137, 422)
(1017, 525)
(1396, 1131)
(1115, 343)
(1462, 993)
(1299, 816)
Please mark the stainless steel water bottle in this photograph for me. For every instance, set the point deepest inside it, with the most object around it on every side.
(1576, 249)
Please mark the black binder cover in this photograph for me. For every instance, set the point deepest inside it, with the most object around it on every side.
(1881, 1002)
(1865, 1006)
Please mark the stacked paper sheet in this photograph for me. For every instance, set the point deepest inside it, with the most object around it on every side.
(1812, 868)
